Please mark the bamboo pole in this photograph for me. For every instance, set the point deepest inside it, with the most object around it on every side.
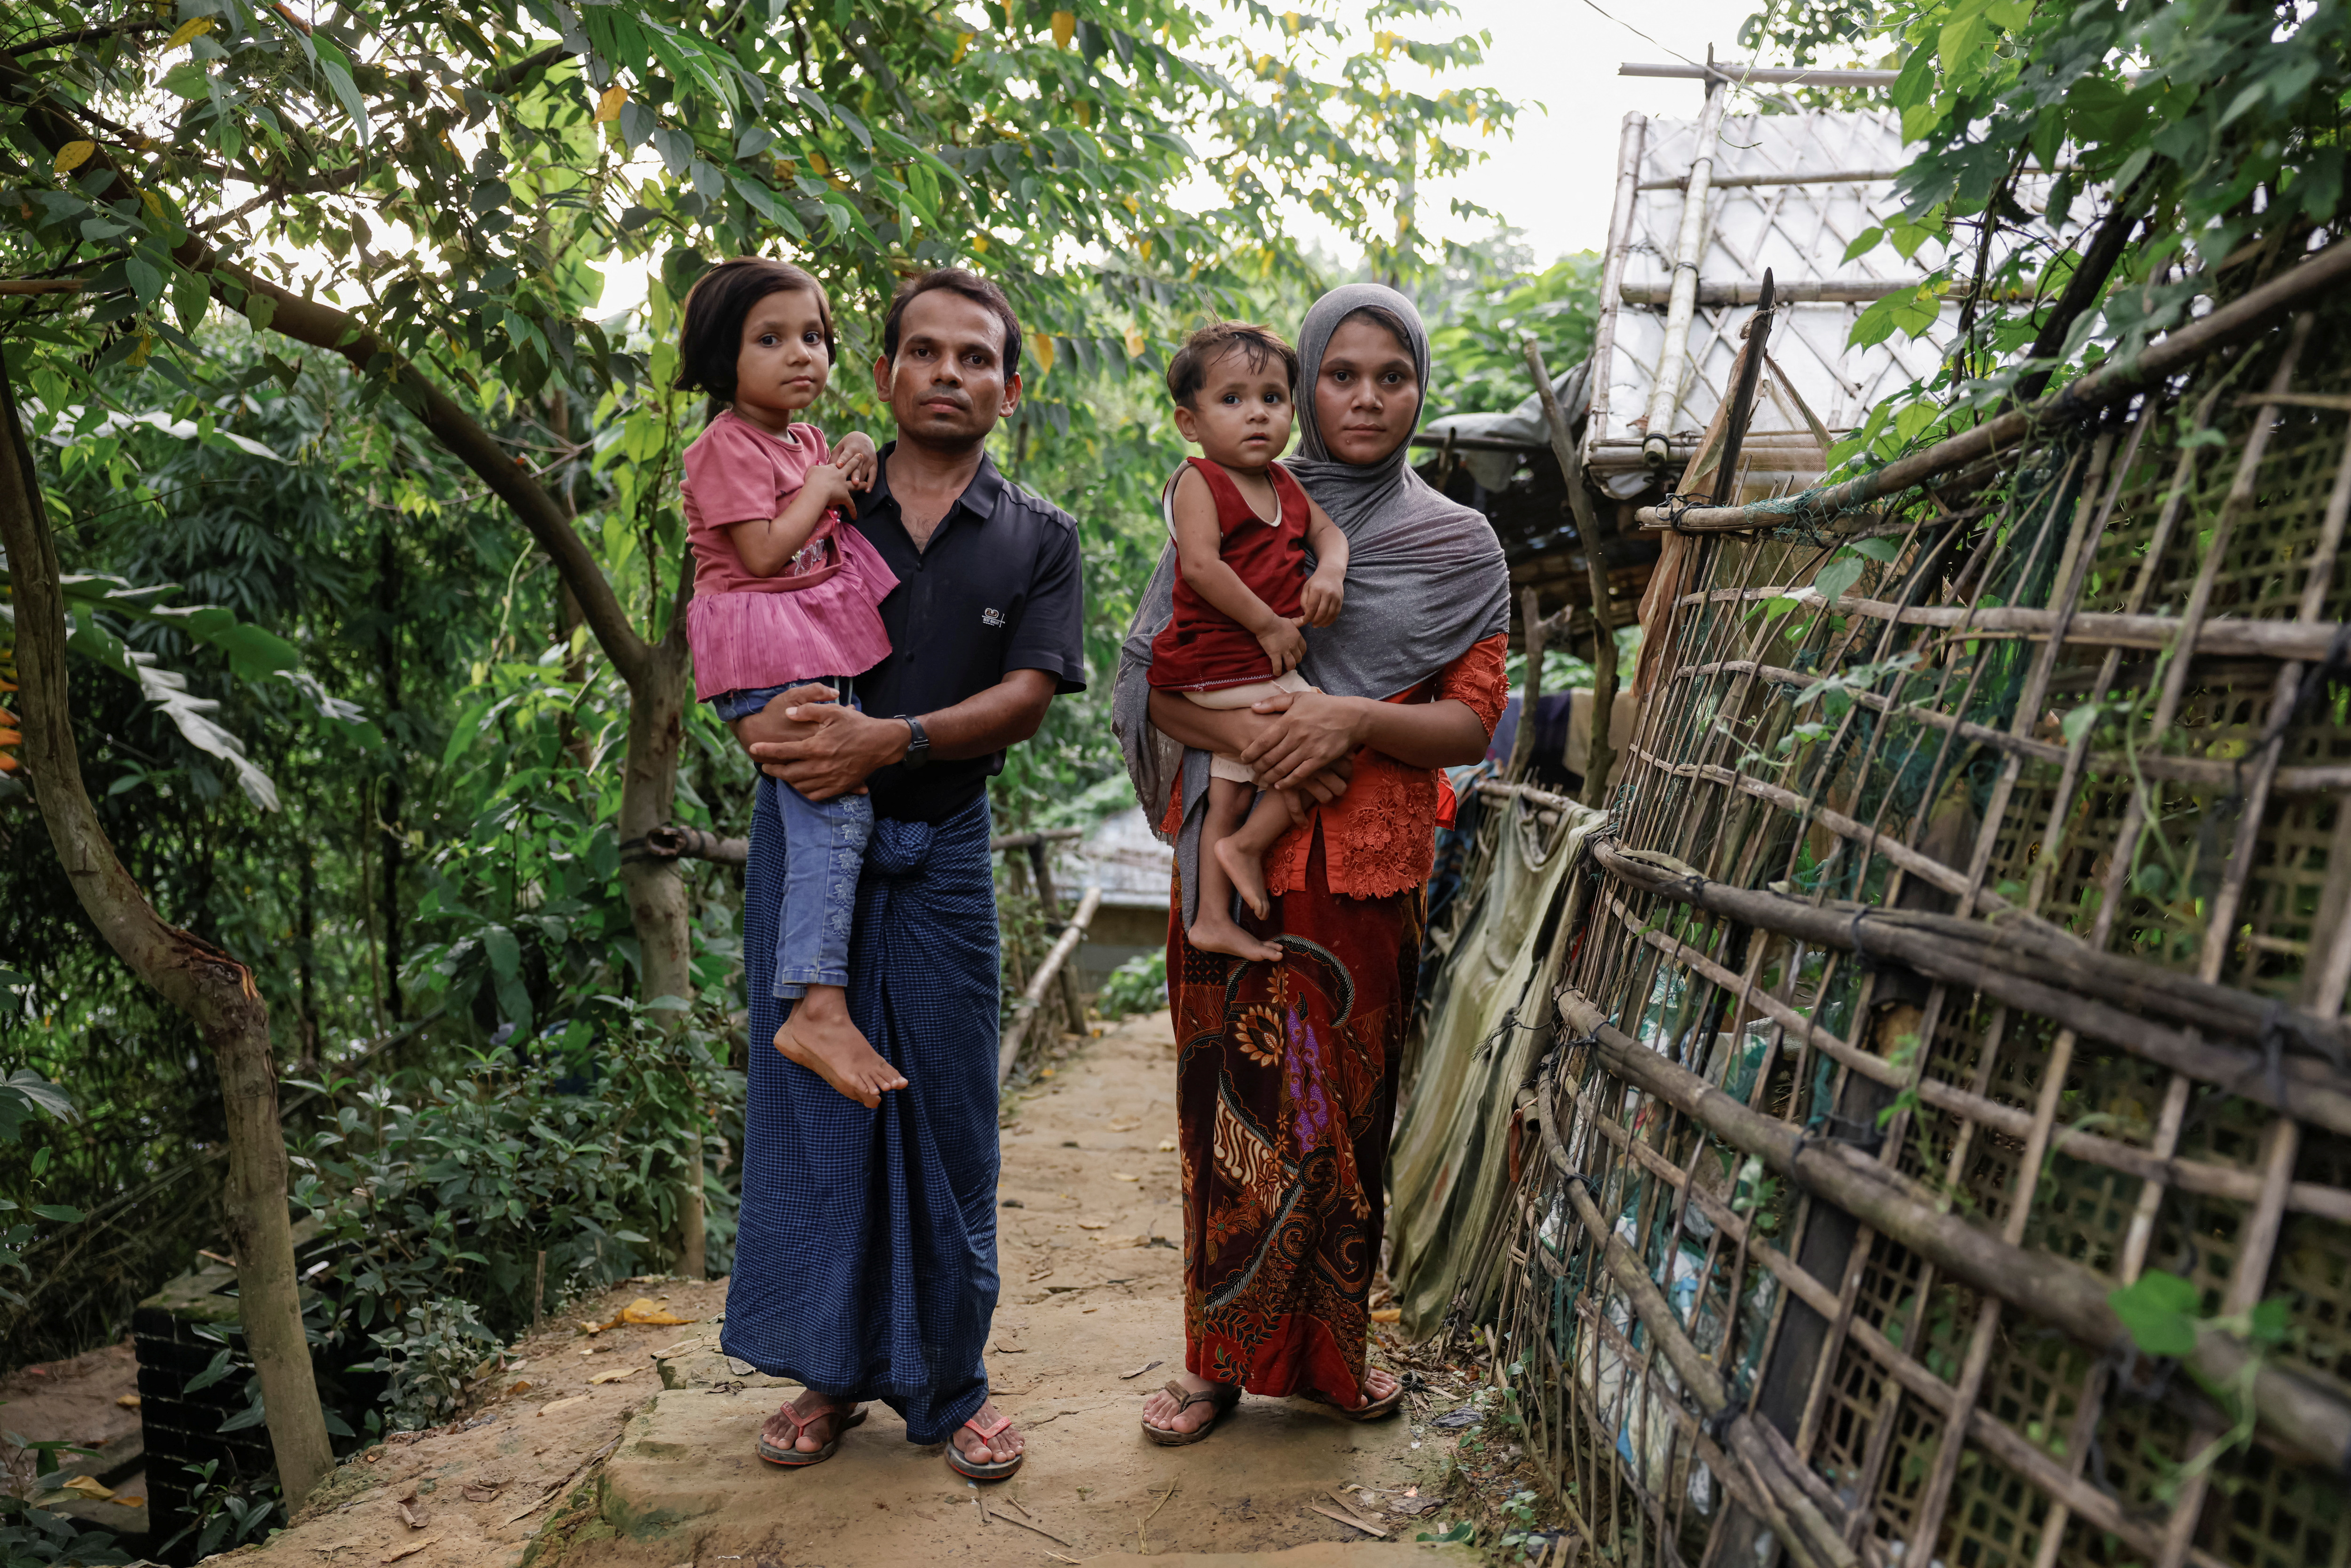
(1689, 244)
(1033, 997)
(2311, 1423)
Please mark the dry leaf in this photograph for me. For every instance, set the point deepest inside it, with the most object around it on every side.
(615, 1376)
(131, 1401)
(410, 1550)
(521, 1386)
(1121, 1176)
(608, 106)
(1093, 1224)
(1127, 1376)
(1387, 1314)
(563, 1403)
(1124, 1124)
(414, 1520)
(1167, 1145)
(73, 155)
(480, 1492)
(1348, 1519)
(645, 1309)
(130, 1501)
(1065, 26)
(90, 1487)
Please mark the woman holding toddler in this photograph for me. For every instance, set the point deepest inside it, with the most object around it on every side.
(1329, 630)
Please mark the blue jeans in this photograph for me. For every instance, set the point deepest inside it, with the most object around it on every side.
(824, 850)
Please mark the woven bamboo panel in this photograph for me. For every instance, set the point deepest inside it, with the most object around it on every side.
(1949, 971)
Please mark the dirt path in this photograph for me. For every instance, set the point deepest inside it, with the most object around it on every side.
(1093, 1291)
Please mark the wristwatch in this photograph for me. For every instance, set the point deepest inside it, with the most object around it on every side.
(918, 743)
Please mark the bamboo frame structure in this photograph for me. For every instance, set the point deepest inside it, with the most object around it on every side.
(1972, 943)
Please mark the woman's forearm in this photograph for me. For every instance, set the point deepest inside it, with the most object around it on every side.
(1445, 734)
(1203, 730)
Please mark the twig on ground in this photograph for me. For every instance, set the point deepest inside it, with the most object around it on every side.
(1037, 1528)
(1348, 1519)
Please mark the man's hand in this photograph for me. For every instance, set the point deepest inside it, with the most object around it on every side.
(1283, 644)
(1325, 592)
(809, 740)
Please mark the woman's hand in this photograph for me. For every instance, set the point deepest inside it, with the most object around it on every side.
(855, 456)
(1310, 732)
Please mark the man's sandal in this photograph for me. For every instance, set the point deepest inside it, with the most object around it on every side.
(1374, 1411)
(1223, 1396)
(787, 1452)
(996, 1471)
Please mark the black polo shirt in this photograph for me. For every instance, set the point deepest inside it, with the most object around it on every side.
(996, 590)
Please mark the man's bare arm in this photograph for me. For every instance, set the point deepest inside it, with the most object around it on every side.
(823, 750)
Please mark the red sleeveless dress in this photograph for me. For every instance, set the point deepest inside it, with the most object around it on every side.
(1202, 649)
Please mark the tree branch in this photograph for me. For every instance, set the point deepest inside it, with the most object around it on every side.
(86, 35)
(324, 327)
(2083, 289)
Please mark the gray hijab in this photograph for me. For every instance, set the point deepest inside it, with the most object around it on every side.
(1425, 582)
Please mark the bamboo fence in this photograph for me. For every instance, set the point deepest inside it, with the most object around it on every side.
(1971, 942)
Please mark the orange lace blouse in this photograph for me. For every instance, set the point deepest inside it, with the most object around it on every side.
(1380, 838)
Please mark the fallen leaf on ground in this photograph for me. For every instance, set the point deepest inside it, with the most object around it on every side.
(1348, 1519)
(615, 1376)
(680, 1348)
(1140, 1370)
(129, 1402)
(645, 1309)
(563, 1403)
(1167, 1145)
(1093, 1224)
(90, 1487)
(477, 1492)
(1125, 1124)
(1121, 1176)
(130, 1501)
(1387, 1314)
(414, 1520)
(521, 1386)
(411, 1550)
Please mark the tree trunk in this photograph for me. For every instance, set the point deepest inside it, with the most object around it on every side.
(212, 987)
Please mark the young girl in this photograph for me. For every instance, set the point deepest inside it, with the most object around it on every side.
(784, 594)
(1243, 589)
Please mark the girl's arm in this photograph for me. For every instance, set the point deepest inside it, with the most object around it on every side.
(767, 545)
(1198, 546)
(1326, 591)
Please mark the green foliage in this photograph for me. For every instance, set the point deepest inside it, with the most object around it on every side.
(571, 1143)
(1137, 986)
(34, 1538)
(24, 1097)
(1478, 363)
(431, 1353)
(2160, 1311)
(222, 1515)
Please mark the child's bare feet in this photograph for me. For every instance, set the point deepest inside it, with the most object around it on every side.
(1215, 931)
(1247, 872)
(820, 1038)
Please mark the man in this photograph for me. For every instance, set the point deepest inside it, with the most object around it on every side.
(866, 1263)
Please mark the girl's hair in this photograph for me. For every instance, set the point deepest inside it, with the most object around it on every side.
(1187, 372)
(1384, 317)
(710, 337)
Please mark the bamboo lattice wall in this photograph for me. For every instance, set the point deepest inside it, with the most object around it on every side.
(1963, 952)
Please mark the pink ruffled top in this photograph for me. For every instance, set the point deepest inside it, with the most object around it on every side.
(818, 617)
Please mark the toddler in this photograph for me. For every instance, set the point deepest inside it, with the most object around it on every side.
(784, 594)
(1243, 528)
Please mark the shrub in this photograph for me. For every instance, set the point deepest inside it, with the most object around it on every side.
(1137, 986)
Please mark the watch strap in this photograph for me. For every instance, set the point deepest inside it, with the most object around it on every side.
(918, 742)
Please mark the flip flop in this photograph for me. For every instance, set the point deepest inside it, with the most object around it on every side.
(1374, 1411)
(1223, 1396)
(792, 1457)
(995, 1470)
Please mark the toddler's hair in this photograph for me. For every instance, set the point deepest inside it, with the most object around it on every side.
(710, 335)
(1187, 372)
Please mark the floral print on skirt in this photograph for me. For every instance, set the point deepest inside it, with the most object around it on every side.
(1286, 1091)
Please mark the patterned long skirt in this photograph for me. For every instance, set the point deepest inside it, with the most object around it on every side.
(1285, 1094)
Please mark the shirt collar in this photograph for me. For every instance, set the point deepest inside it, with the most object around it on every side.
(978, 498)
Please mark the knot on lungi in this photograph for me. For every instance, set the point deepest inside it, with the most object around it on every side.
(898, 850)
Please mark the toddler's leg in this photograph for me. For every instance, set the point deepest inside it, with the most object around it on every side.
(824, 845)
(1213, 929)
(1241, 853)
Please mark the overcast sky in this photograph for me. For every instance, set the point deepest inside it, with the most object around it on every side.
(1552, 178)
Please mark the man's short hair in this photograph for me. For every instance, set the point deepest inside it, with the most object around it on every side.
(710, 332)
(955, 280)
(1187, 372)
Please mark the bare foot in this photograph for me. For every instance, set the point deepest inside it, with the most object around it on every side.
(820, 1036)
(1159, 1410)
(1005, 1445)
(1378, 1384)
(1248, 872)
(817, 1419)
(1213, 931)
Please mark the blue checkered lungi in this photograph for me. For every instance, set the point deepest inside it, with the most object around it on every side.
(865, 1260)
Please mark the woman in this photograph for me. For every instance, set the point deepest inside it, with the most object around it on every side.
(1286, 1083)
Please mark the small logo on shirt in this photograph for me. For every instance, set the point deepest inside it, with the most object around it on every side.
(991, 617)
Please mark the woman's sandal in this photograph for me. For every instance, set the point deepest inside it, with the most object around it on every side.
(788, 1453)
(996, 1471)
(1223, 1396)
(1374, 1411)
